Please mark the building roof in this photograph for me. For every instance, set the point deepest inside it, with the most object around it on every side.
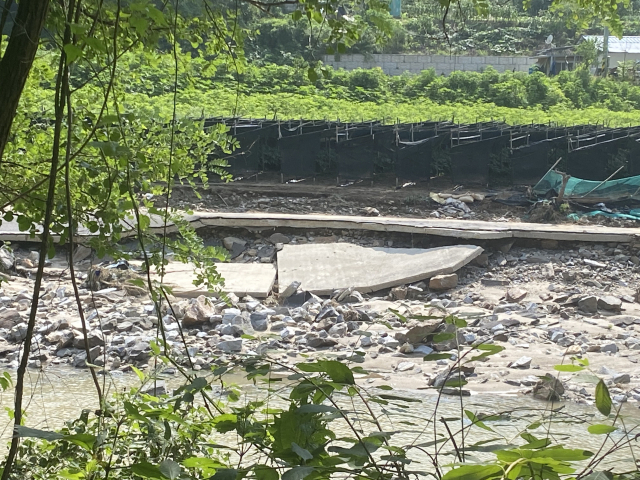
(630, 44)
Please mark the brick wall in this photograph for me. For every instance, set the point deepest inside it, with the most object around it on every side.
(395, 64)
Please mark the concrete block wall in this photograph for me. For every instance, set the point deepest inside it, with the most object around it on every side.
(396, 64)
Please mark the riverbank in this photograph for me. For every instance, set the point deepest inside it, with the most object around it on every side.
(543, 306)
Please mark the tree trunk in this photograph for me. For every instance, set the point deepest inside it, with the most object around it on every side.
(17, 60)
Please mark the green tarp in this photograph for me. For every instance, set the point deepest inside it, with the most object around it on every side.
(588, 191)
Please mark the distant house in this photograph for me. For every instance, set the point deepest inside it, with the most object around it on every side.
(620, 49)
(552, 60)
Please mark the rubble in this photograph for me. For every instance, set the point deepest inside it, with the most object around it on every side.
(548, 303)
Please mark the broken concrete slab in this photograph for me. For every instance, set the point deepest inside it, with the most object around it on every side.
(323, 268)
(255, 279)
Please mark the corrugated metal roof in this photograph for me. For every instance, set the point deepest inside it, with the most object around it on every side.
(630, 44)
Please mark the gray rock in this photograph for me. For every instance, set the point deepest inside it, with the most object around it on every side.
(9, 318)
(233, 330)
(609, 347)
(418, 333)
(229, 346)
(198, 312)
(157, 388)
(339, 330)
(279, 238)
(259, 321)
(19, 332)
(443, 282)
(611, 303)
(319, 342)
(516, 294)
(389, 342)
(366, 342)
(290, 290)
(522, 362)
(7, 259)
(622, 378)
(405, 366)
(230, 242)
(423, 350)
(588, 304)
(548, 388)
(94, 339)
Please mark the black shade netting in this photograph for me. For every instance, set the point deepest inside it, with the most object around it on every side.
(356, 158)
(530, 162)
(470, 161)
(298, 154)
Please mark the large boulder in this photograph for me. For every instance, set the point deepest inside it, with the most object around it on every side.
(198, 312)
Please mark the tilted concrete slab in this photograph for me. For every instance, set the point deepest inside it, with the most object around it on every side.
(255, 279)
(322, 268)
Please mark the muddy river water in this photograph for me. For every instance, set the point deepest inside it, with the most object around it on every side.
(59, 394)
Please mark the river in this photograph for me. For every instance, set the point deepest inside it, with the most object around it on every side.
(59, 394)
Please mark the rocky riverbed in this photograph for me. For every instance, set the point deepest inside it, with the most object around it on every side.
(544, 303)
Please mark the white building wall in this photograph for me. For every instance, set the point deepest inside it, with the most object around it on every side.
(396, 64)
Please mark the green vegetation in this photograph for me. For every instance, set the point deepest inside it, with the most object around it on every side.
(313, 421)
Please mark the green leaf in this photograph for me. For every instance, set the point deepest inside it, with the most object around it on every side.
(474, 472)
(138, 372)
(338, 371)
(146, 470)
(170, 469)
(471, 416)
(297, 473)
(312, 74)
(301, 452)
(73, 52)
(311, 408)
(601, 429)
(26, 432)
(443, 337)
(562, 454)
(402, 399)
(603, 399)
(225, 474)
(568, 368)
(436, 356)
(200, 462)
(263, 472)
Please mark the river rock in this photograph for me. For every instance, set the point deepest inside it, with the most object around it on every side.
(516, 294)
(522, 362)
(18, 332)
(7, 259)
(279, 238)
(198, 312)
(609, 347)
(60, 339)
(319, 342)
(231, 242)
(548, 388)
(405, 366)
(622, 378)
(588, 304)
(418, 333)
(9, 318)
(94, 339)
(229, 346)
(611, 303)
(290, 290)
(259, 321)
(443, 282)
